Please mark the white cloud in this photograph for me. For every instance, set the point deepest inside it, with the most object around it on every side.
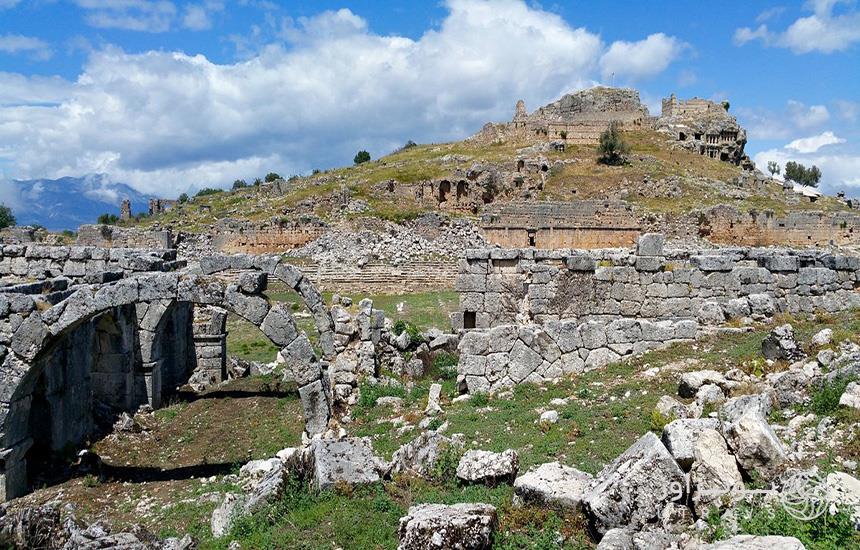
(16, 89)
(807, 117)
(168, 121)
(839, 171)
(848, 110)
(198, 17)
(8, 4)
(813, 143)
(823, 31)
(132, 15)
(641, 59)
(17, 43)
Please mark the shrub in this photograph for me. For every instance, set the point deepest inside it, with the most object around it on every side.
(563, 134)
(272, 176)
(773, 167)
(240, 184)
(446, 365)
(825, 400)
(612, 146)
(109, 219)
(479, 399)
(7, 218)
(415, 335)
(208, 191)
(659, 421)
(183, 197)
(726, 105)
(361, 157)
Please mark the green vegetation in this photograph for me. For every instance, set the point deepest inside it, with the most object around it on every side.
(825, 400)
(794, 171)
(401, 326)
(361, 157)
(183, 198)
(272, 176)
(108, 219)
(240, 184)
(423, 310)
(773, 167)
(612, 146)
(207, 191)
(7, 218)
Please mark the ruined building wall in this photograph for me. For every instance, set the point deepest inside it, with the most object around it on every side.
(724, 224)
(533, 316)
(553, 225)
(383, 278)
(264, 240)
(523, 285)
(111, 236)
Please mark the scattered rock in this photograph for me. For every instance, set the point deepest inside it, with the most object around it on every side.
(714, 473)
(781, 345)
(549, 417)
(823, 337)
(442, 527)
(851, 396)
(679, 437)
(552, 484)
(755, 542)
(433, 400)
(486, 467)
(349, 460)
(755, 445)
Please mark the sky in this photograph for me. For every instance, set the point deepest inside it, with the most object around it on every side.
(171, 96)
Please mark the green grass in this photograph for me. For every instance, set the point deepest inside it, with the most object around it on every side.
(422, 309)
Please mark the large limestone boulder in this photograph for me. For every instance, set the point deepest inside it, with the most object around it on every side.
(692, 381)
(486, 467)
(714, 475)
(350, 460)
(226, 513)
(753, 542)
(552, 484)
(755, 445)
(634, 488)
(843, 490)
(679, 437)
(851, 396)
(421, 455)
(442, 527)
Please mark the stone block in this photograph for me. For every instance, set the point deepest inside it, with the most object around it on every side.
(713, 263)
(649, 263)
(581, 262)
(253, 283)
(650, 244)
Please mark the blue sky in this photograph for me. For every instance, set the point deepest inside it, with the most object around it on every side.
(170, 96)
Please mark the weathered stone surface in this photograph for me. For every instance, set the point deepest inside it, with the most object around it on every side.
(350, 461)
(315, 407)
(755, 445)
(754, 542)
(226, 513)
(714, 474)
(692, 381)
(553, 484)
(650, 244)
(679, 437)
(843, 490)
(433, 400)
(822, 337)
(523, 361)
(851, 396)
(780, 344)
(253, 283)
(442, 527)
(634, 488)
(487, 467)
(423, 453)
(711, 313)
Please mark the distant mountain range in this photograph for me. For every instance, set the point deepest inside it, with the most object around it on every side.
(68, 202)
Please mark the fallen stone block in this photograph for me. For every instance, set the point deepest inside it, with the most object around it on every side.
(441, 526)
(552, 484)
(486, 467)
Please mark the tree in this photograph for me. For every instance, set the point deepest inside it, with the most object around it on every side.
(272, 176)
(361, 157)
(239, 184)
(183, 197)
(794, 171)
(773, 167)
(7, 218)
(563, 134)
(258, 182)
(725, 104)
(612, 146)
(208, 191)
(108, 219)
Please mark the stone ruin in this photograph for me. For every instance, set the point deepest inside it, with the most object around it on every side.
(706, 128)
(160, 206)
(125, 328)
(537, 315)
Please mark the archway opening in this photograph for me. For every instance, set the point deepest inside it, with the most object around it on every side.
(444, 190)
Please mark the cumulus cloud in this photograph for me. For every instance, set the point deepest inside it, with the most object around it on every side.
(16, 89)
(17, 43)
(813, 143)
(807, 117)
(642, 59)
(796, 117)
(198, 17)
(824, 31)
(839, 170)
(168, 121)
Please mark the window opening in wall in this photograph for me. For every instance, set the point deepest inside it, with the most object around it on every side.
(469, 319)
(532, 238)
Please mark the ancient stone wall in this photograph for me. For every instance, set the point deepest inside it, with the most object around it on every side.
(265, 240)
(383, 278)
(498, 358)
(725, 224)
(500, 287)
(112, 236)
(81, 263)
(551, 225)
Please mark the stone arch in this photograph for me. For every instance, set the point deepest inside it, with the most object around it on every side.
(444, 190)
(39, 333)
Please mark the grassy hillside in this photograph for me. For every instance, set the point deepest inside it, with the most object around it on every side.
(701, 181)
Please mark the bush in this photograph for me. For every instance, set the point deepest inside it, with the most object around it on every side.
(183, 197)
(612, 146)
(108, 219)
(7, 218)
(272, 176)
(361, 157)
(415, 335)
(258, 182)
(825, 400)
(794, 171)
(208, 191)
(659, 421)
(445, 364)
(240, 184)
